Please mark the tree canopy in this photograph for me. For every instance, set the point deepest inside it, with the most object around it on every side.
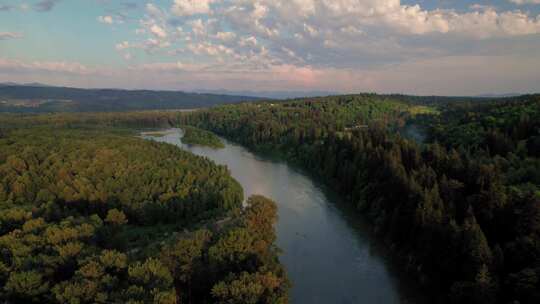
(460, 209)
(93, 215)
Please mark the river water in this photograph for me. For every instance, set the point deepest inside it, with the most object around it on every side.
(328, 252)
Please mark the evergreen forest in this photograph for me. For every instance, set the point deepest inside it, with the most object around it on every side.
(90, 212)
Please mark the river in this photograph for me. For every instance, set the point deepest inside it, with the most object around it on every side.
(328, 252)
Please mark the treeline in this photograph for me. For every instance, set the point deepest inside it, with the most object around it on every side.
(463, 214)
(151, 182)
(196, 136)
(99, 216)
(142, 119)
(499, 128)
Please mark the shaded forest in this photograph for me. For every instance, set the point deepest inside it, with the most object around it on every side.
(461, 211)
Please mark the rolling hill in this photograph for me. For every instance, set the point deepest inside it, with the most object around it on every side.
(37, 98)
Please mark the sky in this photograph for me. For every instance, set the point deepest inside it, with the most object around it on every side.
(424, 47)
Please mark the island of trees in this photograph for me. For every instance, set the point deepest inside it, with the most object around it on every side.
(199, 137)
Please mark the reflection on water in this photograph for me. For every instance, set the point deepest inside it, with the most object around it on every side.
(328, 253)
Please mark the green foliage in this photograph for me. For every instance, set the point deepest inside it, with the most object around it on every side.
(470, 192)
(116, 217)
(237, 251)
(147, 182)
(248, 289)
(27, 285)
(150, 282)
(73, 202)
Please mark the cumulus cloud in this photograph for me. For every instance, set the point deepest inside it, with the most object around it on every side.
(329, 44)
(225, 36)
(9, 35)
(122, 46)
(521, 2)
(191, 7)
(158, 31)
(105, 19)
(262, 34)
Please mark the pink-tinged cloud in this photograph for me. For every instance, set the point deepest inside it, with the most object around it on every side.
(18, 66)
(300, 76)
(453, 75)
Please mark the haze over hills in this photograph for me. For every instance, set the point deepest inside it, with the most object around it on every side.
(248, 93)
(15, 84)
(271, 94)
(39, 98)
(42, 98)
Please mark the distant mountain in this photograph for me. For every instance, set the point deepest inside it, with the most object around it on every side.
(39, 98)
(14, 84)
(500, 95)
(272, 94)
(8, 84)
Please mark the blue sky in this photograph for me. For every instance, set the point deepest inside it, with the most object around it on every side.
(450, 47)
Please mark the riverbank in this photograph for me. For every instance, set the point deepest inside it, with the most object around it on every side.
(329, 253)
(405, 263)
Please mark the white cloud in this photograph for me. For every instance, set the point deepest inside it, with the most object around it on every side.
(151, 44)
(383, 14)
(122, 45)
(158, 31)
(341, 44)
(226, 36)
(481, 7)
(521, 2)
(10, 35)
(191, 7)
(105, 19)
(198, 27)
(321, 33)
(248, 41)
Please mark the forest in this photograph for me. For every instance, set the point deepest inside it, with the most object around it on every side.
(461, 211)
(97, 215)
(459, 206)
